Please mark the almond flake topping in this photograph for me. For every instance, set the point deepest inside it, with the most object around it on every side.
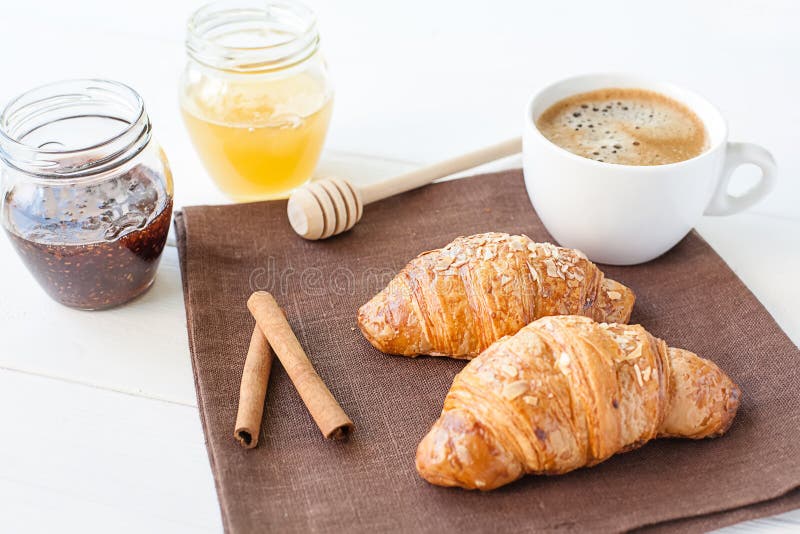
(534, 272)
(443, 262)
(563, 362)
(552, 270)
(509, 369)
(517, 243)
(614, 295)
(515, 389)
(533, 401)
(638, 374)
(461, 259)
(632, 350)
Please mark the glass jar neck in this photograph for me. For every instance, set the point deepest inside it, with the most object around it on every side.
(73, 129)
(252, 36)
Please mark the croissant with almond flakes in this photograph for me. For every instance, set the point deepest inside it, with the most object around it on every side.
(564, 393)
(458, 300)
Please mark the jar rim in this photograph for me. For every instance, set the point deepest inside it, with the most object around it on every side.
(219, 19)
(47, 103)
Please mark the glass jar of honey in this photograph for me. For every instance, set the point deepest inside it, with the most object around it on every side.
(255, 95)
(86, 191)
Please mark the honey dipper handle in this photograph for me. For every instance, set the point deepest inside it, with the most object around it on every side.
(417, 178)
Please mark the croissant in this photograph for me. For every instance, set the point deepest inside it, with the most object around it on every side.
(566, 392)
(458, 300)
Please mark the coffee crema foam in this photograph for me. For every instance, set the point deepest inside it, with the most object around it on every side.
(624, 126)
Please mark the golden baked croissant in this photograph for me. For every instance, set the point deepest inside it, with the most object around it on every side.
(566, 392)
(458, 300)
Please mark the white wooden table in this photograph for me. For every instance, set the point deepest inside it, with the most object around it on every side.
(99, 429)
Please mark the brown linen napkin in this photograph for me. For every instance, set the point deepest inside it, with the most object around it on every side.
(294, 481)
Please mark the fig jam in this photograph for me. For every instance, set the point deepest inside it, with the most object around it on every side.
(95, 245)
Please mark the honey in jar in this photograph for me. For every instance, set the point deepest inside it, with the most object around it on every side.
(255, 96)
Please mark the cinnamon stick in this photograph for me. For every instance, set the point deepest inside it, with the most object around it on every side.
(253, 390)
(327, 413)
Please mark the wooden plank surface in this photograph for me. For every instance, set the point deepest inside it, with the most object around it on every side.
(98, 424)
(81, 458)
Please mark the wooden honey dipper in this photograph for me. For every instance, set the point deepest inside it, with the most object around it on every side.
(330, 206)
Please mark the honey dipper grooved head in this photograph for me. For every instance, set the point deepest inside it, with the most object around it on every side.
(324, 208)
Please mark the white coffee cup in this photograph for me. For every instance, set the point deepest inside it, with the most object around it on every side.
(626, 214)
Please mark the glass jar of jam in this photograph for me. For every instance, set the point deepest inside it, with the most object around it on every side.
(86, 191)
(255, 95)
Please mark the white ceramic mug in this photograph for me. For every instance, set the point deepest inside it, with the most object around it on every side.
(625, 214)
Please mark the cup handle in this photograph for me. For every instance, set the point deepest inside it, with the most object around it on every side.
(737, 154)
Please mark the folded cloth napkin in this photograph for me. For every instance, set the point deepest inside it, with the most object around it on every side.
(294, 481)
